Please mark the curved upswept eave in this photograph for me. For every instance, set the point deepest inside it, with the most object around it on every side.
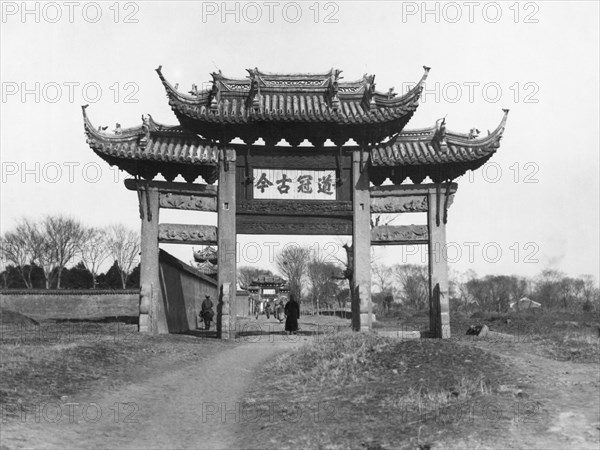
(492, 139)
(410, 98)
(422, 148)
(93, 133)
(179, 97)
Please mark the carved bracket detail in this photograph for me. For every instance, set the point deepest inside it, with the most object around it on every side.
(403, 234)
(399, 204)
(188, 202)
(187, 234)
(294, 228)
(297, 207)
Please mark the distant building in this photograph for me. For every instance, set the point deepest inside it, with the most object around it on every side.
(524, 303)
(264, 289)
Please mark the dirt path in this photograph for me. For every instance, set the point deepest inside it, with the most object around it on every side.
(193, 407)
(561, 399)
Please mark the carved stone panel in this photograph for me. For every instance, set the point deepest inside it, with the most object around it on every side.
(412, 203)
(187, 234)
(295, 208)
(188, 202)
(399, 234)
(302, 227)
(165, 187)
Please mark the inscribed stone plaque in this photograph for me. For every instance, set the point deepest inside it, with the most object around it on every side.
(294, 184)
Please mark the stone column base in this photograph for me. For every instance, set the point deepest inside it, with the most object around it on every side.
(364, 320)
(144, 323)
(225, 330)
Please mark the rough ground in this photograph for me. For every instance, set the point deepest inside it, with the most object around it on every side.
(181, 407)
(567, 396)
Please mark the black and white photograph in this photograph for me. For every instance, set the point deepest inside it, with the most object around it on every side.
(300, 225)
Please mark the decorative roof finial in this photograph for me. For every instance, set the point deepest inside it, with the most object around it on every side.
(118, 129)
(473, 133)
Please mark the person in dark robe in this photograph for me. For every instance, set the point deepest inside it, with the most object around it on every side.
(206, 312)
(268, 309)
(292, 314)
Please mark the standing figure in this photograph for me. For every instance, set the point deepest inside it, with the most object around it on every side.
(268, 309)
(279, 310)
(256, 309)
(206, 312)
(292, 313)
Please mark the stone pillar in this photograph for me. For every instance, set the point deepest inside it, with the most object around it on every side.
(152, 315)
(361, 242)
(226, 246)
(439, 302)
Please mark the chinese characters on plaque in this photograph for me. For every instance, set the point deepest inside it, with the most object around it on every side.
(281, 184)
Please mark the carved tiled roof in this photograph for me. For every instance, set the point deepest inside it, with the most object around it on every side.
(436, 152)
(208, 254)
(207, 268)
(151, 141)
(436, 146)
(171, 146)
(264, 98)
(268, 280)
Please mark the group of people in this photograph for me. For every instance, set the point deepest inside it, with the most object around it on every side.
(274, 309)
(291, 312)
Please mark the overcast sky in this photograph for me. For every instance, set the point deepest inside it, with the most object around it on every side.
(535, 205)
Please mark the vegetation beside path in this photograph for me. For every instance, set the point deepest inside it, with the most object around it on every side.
(360, 390)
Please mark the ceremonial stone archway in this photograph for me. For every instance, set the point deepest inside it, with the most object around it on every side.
(295, 189)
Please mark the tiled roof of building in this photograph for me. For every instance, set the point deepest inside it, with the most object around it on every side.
(267, 280)
(207, 268)
(170, 150)
(172, 146)
(263, 98)
(207, 254)
(434, 153)
(435, 145)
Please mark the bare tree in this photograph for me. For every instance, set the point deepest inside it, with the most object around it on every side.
(20, 248)
(61, 238)
(291, 263)
(383, 277)
(123, 247)
(3, 264)
(320, 273)
(415, 285)
(382, 220)
(94, 250)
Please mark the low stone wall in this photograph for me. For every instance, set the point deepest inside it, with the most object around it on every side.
(71, 304)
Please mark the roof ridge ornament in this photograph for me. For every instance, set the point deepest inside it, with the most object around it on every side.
(253, 101)
(215, 92)
(333, 89)
(368, 95)
(439, 137)
(146, 127)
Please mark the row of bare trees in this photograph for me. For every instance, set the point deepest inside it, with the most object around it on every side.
(54, 242)
(408, 284)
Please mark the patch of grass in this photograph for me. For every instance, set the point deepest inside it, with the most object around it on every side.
(355, 390)
(55, 360)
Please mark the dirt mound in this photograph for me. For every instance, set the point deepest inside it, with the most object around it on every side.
(8, 317)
